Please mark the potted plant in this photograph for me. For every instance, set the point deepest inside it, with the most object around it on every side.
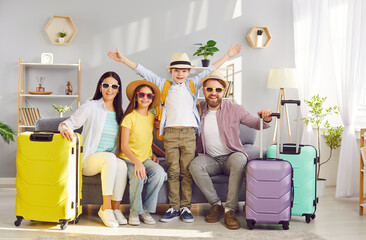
(7, 133)
(206, 50)
(333, 135)
(62, 36)
(61, 109)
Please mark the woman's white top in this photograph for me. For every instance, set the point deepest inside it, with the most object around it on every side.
(91, 115)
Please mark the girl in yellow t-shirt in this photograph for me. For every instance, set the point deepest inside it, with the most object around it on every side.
(136, 146)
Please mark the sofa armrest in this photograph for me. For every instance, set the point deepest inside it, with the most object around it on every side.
(51, 124)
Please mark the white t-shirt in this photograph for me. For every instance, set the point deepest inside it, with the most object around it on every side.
(179, 104)
(214, 145)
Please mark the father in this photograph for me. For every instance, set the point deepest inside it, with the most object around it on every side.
(219, 147)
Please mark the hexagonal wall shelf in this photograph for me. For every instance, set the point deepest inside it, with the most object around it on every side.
(58, 24)
(254, 38)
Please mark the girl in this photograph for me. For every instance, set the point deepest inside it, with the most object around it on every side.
(100, 118)
(136, 145)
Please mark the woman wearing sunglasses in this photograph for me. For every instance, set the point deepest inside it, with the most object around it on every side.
(136, 146)
(100, 118)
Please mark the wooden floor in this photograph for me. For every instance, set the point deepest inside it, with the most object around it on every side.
(335, 219)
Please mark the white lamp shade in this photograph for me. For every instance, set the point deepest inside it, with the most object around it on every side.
(282, 78)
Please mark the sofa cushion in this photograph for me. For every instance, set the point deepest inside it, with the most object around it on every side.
(247, 135)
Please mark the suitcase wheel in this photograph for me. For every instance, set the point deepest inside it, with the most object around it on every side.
(250, 224)
(18, 221)
(64, 225)
(77, 220)
(313, 216)
(285, 226)
(307, 218)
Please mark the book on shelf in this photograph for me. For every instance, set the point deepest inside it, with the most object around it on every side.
(29, 116)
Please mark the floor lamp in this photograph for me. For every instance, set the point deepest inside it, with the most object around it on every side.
(282, 78)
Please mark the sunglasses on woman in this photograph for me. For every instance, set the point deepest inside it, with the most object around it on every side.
(216, 89)
(113, 86)
(148, 95)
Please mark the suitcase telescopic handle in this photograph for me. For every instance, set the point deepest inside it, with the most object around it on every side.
(277, 115)
(298, 103)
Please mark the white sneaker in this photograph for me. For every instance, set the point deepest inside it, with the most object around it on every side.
(119, 216)
(108, 217)
(133, 218)
(147, 218)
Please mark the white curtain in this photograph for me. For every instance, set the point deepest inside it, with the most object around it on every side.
(347, 26)
(334, 30)
(309, 22)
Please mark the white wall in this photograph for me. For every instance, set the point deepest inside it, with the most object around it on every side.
(148, 32)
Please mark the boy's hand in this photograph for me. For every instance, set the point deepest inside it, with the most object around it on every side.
(117, 56)
(234, 50)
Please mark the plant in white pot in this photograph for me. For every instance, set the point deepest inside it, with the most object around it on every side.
(61, 109)
(206, 50)
(62, 36)
(332, 135)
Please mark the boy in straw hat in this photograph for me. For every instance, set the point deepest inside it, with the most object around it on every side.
(179, 123)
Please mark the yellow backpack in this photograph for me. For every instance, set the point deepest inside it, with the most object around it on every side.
(164, 93)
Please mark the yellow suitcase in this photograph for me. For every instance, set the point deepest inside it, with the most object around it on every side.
(48, 180)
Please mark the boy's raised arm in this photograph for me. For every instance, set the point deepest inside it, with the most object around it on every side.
(233, 51)
(117, 56)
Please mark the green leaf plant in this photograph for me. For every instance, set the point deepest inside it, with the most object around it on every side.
(62, 34)
(7, 133)
(62, 108)
(317, 115)
(206, 50)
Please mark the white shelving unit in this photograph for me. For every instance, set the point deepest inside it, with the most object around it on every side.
(25, 98)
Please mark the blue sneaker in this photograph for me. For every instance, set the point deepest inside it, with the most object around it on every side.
(170, 215)
(186, 215)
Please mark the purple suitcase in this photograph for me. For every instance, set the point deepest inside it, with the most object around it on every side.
(269, 191)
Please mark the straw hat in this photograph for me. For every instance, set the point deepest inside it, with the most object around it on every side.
(180, 60)
(215, 75)
(130, 89)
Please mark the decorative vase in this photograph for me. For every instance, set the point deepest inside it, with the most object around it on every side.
(61, 40)
(60, 114)
(68, 88)
(205, 62)
(40, 88)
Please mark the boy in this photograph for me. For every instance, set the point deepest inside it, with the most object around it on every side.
(179, 123)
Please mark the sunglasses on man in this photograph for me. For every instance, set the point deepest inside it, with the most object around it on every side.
(211, 89)
(148, 95)
(107, 85)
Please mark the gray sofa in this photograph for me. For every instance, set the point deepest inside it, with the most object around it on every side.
(91, 190)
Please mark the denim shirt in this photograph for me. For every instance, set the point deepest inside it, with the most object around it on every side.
(196, 79)
(229, 117)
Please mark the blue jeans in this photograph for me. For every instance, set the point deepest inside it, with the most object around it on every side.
(155, 177)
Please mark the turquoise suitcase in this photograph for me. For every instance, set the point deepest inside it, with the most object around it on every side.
(303, 159)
